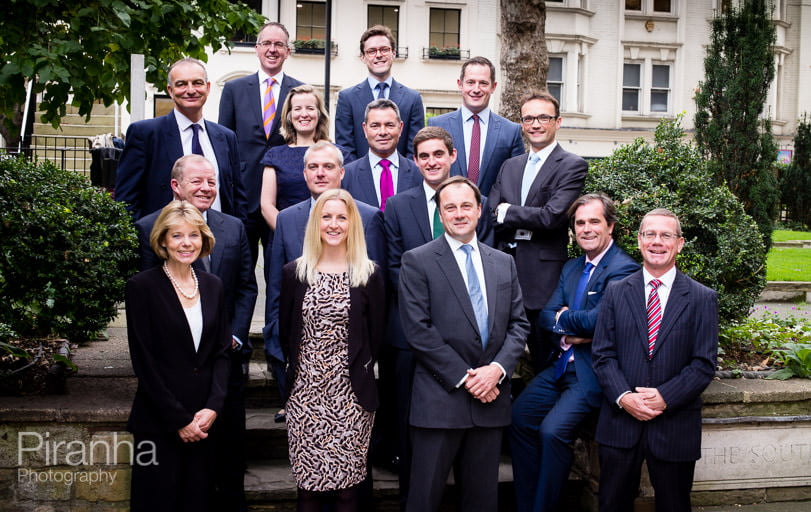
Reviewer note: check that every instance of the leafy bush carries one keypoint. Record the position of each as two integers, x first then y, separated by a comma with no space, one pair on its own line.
795,179
723,248
66,249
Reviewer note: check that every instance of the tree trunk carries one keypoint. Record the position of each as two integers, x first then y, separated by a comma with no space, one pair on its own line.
524,58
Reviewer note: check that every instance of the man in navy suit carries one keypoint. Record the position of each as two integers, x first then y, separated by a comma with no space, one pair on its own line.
193,180
241,109
412,220
461,309
153,145
530,198
323,170
377,51
547,414
474,125
654,353
384,171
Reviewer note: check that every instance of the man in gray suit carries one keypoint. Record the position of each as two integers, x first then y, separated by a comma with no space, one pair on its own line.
483,139
462,314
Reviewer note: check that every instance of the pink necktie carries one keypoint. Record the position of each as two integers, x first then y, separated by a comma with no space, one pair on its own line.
654,315
269,107
475,142
386,183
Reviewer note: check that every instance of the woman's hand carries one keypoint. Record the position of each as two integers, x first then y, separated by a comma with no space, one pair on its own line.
205,418
192,432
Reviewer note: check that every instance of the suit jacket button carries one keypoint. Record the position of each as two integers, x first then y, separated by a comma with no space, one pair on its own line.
196,371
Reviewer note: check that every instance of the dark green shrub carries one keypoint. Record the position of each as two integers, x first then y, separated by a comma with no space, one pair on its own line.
723,248
795,179
66,249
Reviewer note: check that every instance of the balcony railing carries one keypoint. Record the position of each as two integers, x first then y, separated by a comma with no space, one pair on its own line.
313,47
433,52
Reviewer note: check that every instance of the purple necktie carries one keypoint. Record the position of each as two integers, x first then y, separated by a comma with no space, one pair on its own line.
475,143
386,183
269,107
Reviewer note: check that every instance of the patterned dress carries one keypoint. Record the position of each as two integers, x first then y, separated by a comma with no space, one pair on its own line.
327,429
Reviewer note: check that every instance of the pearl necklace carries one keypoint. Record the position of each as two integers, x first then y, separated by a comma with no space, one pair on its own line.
177,286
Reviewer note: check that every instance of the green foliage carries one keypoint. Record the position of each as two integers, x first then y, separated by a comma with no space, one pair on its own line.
783,235
66,249
722,250
739,69
83,47
795,180
796,358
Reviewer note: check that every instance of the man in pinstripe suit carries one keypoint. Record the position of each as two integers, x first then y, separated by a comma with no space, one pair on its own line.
654,354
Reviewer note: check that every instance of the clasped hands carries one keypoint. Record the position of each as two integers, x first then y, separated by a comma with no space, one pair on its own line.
197,430
482,382
645,404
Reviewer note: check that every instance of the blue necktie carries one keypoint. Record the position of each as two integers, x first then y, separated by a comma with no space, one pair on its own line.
476,298
196,148
560,364
381,90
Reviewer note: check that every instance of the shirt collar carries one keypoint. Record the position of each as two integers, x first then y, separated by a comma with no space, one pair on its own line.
456,244
545,152
429,192
667,278
374,81
393,158
596,261
484,115
264,76
184,122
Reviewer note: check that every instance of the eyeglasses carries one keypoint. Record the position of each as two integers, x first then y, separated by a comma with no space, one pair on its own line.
543,119
276,44
383,50
651,235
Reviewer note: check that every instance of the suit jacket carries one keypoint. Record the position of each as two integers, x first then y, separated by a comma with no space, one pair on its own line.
367,318
288,244
145,168
682,366
503,141
558,183
174,381
359,181
230,261
241,111
408,227
349,114
581,321
440,326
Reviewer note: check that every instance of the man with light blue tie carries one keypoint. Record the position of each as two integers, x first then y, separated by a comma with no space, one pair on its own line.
483,139
548,413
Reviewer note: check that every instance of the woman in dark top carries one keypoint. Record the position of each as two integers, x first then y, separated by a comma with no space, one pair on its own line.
331,322
178,333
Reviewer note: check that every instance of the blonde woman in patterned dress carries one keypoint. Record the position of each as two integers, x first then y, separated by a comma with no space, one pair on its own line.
331,322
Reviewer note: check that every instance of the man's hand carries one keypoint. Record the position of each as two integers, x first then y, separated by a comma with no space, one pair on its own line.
482,381
205,418
635,405
652,398
192,432
576,340
489,397
560,312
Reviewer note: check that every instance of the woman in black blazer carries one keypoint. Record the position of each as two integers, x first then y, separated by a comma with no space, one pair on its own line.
178,335
331,322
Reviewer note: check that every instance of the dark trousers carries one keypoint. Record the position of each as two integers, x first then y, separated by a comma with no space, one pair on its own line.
473,453
620,471
539,342
228,434
545,419
257,230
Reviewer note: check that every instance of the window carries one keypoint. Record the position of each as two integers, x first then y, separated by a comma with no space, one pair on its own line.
388,15
660,87
631,84
444,28
649,6
244,38
554,79
311,21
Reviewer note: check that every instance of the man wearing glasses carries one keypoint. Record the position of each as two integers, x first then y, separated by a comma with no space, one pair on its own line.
530,198
251,106
377,51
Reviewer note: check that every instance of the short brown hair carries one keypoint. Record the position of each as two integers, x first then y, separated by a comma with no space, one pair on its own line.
378,30
458,180
479,61
433,132
174,214
662,212
543,96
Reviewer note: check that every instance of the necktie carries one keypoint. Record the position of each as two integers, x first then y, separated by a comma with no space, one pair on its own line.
475,142
654,315
439,229
268,107
530,171
196,148
475,291
386,183
582,283
381,90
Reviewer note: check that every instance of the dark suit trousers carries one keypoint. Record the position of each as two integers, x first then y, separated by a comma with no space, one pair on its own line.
181,479
620,470
258,231
539,342
545,419
228,434
474,455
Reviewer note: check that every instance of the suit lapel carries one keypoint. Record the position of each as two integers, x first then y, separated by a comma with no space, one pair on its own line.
284,88
493,129
491,281
446,262
635,306
300,225
519,175
419,210
215,224
545,173
676,303
172,146
458,136
252,87
396,92
366,180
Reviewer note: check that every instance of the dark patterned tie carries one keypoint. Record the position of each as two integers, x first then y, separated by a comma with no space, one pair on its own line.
475,150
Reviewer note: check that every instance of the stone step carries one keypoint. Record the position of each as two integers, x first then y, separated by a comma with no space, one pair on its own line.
264,438
797,244
76,130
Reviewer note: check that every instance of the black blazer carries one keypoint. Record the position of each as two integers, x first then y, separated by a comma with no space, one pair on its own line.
174,381
367,322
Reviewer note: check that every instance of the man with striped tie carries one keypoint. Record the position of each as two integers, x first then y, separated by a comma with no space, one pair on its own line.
249,106
654,353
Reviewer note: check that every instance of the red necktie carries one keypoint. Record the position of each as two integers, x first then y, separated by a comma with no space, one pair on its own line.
475,142
654,316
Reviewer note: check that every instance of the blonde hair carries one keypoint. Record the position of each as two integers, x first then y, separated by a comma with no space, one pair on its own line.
286,127
360,266
174,214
